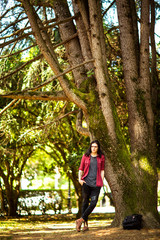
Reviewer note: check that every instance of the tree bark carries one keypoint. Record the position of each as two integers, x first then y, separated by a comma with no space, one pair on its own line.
154,74
12,197
11,178
67,29
141,120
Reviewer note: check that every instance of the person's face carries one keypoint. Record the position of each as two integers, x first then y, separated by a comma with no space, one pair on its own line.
94,148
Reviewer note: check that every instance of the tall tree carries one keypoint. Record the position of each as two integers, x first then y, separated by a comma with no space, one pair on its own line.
14,154
130,171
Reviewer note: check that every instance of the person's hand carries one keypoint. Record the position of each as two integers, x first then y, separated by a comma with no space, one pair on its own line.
81,182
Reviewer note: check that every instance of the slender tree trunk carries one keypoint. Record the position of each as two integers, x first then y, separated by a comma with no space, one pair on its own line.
154,74
12,199
2,199
12,182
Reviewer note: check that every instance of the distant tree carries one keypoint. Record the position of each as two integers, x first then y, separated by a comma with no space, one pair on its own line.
13,157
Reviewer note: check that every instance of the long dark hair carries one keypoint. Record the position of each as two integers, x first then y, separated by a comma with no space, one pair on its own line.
88,152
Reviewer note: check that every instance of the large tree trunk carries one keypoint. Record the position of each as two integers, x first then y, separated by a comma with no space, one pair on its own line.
141,120
131,174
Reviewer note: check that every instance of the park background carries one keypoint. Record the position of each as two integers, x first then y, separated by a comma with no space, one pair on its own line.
79,86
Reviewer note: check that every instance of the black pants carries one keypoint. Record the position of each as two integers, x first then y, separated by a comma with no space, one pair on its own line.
90,199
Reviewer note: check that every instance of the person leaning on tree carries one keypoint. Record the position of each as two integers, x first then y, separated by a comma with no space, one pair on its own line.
91,175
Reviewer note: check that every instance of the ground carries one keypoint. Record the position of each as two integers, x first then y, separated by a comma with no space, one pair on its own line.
52,229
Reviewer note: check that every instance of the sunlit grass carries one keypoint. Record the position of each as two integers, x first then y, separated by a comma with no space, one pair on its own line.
54,228
18,224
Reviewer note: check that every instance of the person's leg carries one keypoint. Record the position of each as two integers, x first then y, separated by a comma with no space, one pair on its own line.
94,199
86,191
85,228
86,199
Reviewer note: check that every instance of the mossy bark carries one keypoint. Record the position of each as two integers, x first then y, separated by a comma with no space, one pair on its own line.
133,181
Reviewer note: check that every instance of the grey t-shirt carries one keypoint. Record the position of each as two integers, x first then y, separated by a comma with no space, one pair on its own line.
91,178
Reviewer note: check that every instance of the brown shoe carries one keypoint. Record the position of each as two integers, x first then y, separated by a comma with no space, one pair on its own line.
85,228
78,224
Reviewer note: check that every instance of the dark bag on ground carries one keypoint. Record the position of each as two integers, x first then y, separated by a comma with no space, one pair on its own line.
132,222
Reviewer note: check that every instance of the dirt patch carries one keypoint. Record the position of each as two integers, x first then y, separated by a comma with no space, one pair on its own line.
66,231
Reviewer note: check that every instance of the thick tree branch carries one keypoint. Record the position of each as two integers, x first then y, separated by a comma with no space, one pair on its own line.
154,72
98,52
85,17
24,162
83,37
153,44
80,129
31,96
145,81
46,96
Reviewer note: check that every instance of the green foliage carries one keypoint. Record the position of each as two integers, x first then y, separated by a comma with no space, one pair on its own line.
90,73
13,153
55,142
63,145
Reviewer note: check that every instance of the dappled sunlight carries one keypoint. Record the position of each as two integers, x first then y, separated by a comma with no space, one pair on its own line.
146,166
99,229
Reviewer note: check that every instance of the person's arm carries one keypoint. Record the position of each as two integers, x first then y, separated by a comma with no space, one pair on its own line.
80,173
102,174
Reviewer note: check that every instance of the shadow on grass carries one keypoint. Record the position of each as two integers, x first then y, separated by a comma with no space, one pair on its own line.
92,234
48,228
